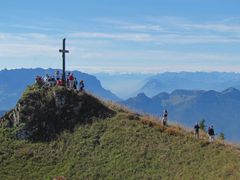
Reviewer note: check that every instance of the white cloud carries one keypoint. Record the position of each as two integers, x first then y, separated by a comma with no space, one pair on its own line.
174,25
143,27
230,25
108,50
231,28
113,36
27,45
166,30
29,50
158,38
153,56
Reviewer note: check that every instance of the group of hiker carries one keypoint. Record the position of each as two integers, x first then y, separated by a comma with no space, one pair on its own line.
210,131
56,80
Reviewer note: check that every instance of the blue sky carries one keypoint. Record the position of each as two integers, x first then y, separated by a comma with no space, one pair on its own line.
147,36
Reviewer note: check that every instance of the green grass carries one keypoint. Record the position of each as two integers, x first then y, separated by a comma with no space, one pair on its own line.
118,148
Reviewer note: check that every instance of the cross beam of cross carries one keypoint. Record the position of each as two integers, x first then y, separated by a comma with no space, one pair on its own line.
63,51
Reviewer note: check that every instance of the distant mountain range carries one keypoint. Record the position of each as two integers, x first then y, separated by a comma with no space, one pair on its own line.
14,82
189,106
168,82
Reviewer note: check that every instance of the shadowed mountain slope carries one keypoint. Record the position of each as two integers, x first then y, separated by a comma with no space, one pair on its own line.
43,112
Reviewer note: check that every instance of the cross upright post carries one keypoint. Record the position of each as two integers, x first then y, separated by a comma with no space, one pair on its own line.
63,51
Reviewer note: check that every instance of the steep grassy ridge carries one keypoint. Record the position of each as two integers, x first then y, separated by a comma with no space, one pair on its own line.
121,145
117,148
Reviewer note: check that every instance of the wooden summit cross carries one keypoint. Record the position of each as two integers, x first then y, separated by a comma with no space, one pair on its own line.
63,51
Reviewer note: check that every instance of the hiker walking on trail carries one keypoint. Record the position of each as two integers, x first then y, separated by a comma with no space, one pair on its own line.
165,115
196,130
81,86
211,134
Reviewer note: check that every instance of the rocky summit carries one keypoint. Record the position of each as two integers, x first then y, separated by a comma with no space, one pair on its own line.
43,112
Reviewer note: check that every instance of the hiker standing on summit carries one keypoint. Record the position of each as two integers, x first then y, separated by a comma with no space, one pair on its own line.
71,81
81,86
75,84
57,75
68,82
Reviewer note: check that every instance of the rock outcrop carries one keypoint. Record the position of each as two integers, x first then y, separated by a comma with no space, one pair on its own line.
43,112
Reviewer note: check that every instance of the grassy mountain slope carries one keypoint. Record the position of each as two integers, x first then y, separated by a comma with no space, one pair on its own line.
118,148
123,146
